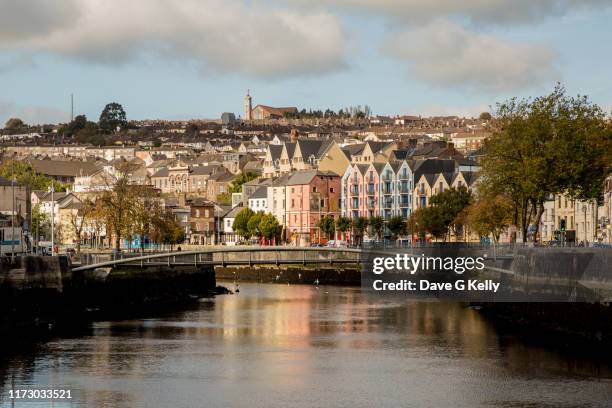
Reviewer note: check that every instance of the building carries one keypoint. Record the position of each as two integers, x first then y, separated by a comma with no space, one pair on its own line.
261,112
248,107
203,229
15,200
311,195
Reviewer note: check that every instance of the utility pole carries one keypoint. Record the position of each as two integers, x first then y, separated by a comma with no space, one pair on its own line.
71,107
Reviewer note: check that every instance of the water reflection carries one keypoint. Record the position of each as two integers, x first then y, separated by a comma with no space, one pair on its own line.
276,345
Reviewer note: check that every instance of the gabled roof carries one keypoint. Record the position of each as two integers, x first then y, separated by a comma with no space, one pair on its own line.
163,172
234,211
64,168
275,151
305,176
377,147
433,166
261,192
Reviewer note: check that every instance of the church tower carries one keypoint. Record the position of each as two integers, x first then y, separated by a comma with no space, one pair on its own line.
248,107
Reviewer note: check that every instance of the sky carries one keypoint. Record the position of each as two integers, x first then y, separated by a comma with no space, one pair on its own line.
194,59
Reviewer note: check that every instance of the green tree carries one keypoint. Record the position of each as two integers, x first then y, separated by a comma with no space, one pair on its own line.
13,124
397,226
112,116
428,220
253,224
451,202
327,226
359,226
377,224
343,224
269,226
25,174
236,184
241,222
553,144
224,198
485,116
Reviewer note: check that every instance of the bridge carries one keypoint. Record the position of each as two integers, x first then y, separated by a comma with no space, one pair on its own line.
251,256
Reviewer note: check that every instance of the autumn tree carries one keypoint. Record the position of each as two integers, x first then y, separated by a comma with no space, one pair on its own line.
490,216
79,218
118,204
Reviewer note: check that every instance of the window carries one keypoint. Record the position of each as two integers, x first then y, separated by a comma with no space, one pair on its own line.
197,213
206,214
292,203
314,189
331,189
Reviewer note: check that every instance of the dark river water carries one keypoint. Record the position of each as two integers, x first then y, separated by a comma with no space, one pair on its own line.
301,346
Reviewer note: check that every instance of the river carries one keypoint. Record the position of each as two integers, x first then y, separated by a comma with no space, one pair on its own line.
302,346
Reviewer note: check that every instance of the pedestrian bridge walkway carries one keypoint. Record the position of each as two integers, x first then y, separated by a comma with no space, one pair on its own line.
250,256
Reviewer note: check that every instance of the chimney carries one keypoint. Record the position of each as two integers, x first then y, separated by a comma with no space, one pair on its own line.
293,136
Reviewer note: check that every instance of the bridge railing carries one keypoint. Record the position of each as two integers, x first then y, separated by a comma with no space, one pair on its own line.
241,256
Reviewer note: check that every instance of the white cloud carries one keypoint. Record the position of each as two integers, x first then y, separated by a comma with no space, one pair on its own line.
479,11
443,53
228,36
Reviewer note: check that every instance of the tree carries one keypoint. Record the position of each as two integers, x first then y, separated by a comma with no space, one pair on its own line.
553,144
40,223
144,211
224,198
13,124
25,174
269,226
490,215
118,204
485,116
192,129
112,116
241,222
359,226
451,202
166,230
89,134
428,220
327,226
236,184
79,217
397,226
377,224
343,224
253,224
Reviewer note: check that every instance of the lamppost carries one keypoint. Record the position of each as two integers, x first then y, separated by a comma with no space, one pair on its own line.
52,190
13,218
584,211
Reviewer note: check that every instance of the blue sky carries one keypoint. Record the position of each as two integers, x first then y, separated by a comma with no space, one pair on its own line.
187,59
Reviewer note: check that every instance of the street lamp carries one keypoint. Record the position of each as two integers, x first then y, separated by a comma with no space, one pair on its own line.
51,189
584,211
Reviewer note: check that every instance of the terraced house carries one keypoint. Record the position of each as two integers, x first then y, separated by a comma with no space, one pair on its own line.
377,189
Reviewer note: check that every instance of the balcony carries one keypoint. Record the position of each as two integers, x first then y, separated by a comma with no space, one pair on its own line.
355,190
404,189
387,203
387,190
404,203
403,176
387,177
371,190
371,204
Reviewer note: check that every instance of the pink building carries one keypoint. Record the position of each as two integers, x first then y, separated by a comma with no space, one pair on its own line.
362,193
311,195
